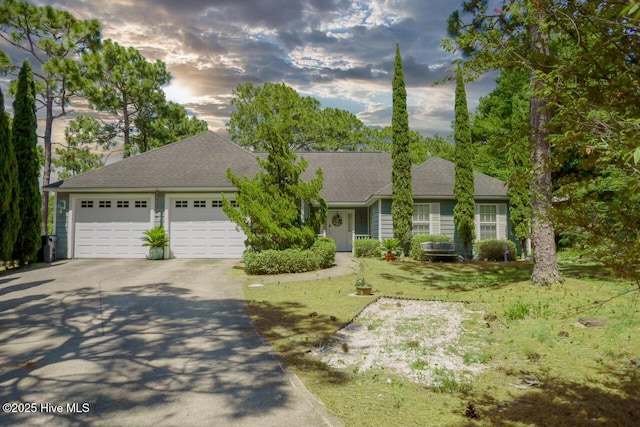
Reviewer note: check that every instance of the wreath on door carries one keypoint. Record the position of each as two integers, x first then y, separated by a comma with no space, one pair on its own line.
336,221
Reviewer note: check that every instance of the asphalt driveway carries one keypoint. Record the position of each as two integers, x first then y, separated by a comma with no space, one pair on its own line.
140,343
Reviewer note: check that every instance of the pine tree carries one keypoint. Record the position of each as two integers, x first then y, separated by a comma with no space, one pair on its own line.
463,189
25,143
269,205
9,189
402,202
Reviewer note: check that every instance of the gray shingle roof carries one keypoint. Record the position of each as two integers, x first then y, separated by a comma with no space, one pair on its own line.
197,162
435,178
349,176
200,163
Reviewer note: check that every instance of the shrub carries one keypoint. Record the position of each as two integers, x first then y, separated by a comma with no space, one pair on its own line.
493,249
390,246
415,250
367,248
274,261
325,249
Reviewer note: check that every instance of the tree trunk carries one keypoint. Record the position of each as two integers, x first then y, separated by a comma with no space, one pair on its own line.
126,152
46,169
545,269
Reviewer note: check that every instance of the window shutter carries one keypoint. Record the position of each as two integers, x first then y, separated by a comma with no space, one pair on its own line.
434,218
501,218
477,221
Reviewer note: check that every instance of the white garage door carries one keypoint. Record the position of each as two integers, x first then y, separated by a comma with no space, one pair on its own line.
199,229
111,227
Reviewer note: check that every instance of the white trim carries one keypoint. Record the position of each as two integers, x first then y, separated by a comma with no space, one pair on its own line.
422,223
129,190
71,229
55,212
500,221
166,224
380,219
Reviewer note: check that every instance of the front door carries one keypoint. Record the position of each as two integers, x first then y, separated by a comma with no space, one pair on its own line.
340,223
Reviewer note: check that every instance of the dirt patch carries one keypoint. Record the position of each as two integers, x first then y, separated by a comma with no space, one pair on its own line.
419,339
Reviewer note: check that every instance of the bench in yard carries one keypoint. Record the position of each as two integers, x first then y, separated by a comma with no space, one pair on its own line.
439,249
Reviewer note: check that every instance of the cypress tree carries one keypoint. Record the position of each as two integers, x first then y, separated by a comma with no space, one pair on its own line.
9,189
25,141
463,189
402,203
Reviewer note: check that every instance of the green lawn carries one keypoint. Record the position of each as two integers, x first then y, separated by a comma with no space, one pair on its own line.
541,365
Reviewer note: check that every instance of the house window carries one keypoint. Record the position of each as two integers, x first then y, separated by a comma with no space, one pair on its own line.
86,204
218,203
104,204
488,222
182,204
141,204
199,204
420,218
122,204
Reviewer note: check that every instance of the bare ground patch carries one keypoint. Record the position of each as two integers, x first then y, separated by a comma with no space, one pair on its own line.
422,340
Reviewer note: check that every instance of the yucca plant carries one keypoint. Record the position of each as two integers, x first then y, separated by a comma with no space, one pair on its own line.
391,245
390,248
155,237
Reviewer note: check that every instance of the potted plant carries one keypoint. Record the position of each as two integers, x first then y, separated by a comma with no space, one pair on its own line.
156,240
362,287
390,247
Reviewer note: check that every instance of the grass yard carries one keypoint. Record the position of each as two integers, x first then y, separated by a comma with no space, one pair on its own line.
562,356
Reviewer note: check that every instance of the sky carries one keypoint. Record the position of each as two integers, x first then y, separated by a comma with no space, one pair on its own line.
340,52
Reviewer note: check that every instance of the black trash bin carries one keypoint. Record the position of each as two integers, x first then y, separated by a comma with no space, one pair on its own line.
48,251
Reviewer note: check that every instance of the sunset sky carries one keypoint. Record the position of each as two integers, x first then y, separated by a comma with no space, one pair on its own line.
338,51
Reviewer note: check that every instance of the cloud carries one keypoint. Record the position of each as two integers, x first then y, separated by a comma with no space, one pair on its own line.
339,51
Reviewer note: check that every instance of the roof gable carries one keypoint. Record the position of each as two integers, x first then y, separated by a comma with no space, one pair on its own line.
200,161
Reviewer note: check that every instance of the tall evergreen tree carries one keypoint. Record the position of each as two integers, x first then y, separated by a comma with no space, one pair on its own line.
402,202
9,189
463,189
25,141
269,209
54,39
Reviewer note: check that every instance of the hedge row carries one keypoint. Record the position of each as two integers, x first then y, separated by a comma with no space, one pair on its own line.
493,250
367,248
322,254
415,249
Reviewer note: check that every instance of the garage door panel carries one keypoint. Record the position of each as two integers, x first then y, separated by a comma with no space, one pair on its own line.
99,240
111,227
204,233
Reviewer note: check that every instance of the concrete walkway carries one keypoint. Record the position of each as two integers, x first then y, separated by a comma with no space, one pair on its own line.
141,343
